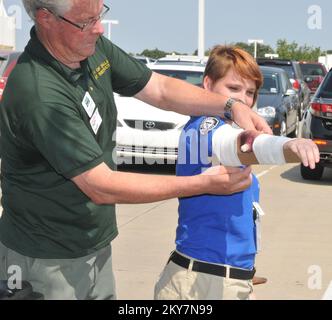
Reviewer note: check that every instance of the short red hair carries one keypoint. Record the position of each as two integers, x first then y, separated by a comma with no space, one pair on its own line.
222,58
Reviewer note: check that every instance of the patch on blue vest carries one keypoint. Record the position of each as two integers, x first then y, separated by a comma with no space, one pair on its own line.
208,124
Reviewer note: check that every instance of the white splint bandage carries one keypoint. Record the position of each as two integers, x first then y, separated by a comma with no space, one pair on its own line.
224,145
269,149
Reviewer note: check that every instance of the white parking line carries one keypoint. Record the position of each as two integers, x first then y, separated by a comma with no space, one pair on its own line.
265,172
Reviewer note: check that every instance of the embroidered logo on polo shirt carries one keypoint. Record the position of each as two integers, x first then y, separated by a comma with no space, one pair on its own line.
101,69
208,124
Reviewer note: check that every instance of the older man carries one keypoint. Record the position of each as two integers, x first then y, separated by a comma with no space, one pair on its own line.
59,178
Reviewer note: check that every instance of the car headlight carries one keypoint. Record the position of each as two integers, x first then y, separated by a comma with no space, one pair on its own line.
267,112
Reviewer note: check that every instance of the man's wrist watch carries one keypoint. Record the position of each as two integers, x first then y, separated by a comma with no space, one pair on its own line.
228,108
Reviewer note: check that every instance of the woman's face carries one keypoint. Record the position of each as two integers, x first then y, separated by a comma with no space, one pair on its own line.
233,85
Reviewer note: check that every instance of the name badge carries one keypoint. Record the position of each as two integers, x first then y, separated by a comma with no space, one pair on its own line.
258,215
88,104
96,121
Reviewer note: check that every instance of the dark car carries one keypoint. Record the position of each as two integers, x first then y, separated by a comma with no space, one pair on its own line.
278,102
313,73
296,77
8,60
317,125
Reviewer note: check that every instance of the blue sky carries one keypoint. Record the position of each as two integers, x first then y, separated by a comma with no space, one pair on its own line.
172,24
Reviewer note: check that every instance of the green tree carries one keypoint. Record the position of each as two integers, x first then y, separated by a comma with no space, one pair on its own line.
293,51
206,53
262,49
155,53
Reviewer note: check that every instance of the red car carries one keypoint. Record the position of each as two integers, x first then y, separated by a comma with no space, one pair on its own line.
313,73
8,61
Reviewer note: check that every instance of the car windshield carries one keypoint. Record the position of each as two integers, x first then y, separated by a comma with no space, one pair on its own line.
193,77
311,69
289,70
270,84
326,88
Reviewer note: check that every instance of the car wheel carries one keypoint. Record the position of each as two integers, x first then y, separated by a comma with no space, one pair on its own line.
295,133
312,174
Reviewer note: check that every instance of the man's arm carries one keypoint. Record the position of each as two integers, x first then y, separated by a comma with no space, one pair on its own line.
105,186
176,95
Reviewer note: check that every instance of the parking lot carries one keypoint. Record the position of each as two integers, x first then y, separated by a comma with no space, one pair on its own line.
296,238
296,231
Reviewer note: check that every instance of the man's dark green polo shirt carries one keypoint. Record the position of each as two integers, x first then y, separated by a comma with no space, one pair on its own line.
47,138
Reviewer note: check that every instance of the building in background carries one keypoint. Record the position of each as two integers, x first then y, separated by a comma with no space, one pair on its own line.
326,60
7,29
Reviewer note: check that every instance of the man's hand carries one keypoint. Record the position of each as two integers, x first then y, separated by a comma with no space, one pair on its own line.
228,180
248,119
305,149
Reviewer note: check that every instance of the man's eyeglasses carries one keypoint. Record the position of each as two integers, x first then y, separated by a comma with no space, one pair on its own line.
83,26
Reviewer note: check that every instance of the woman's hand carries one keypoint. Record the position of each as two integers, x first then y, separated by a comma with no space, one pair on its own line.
305,149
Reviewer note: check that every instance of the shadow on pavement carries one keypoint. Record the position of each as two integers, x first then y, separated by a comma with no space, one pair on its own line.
294,175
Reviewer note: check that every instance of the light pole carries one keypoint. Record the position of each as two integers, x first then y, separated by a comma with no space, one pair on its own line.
109,23
255,41
201,16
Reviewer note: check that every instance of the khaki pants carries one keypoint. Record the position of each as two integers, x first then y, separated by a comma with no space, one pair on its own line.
89,277
177,283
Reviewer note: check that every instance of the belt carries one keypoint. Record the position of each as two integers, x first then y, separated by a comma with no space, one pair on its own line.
210,268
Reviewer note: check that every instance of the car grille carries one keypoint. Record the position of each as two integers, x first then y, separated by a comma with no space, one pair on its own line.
149,125
147,150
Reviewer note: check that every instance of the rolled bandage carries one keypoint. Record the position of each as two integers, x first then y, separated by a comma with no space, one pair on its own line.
224,145
268,149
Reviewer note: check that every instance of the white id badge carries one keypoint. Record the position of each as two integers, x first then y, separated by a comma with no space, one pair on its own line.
96,121
259,214
88,104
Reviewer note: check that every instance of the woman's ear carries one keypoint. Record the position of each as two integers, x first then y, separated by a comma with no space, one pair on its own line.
207,83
